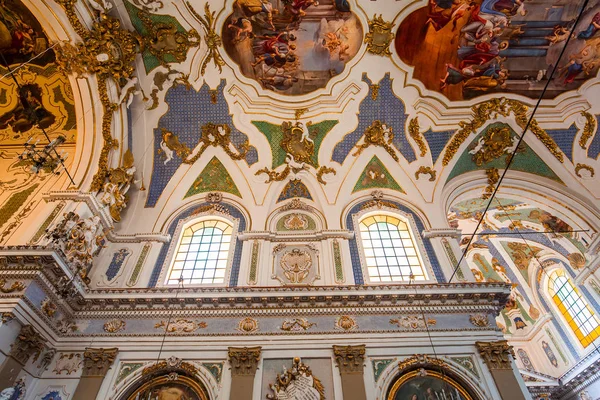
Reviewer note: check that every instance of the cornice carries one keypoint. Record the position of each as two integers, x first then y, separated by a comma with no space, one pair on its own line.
297,236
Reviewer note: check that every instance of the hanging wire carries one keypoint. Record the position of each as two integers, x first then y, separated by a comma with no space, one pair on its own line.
525,129
180,286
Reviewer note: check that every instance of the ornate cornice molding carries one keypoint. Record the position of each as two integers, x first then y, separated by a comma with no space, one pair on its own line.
243,360
96,362
350,359
496,355
441,232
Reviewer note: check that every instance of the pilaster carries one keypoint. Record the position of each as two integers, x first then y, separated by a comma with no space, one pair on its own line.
244,362
498,356
28,343
351,361
96,363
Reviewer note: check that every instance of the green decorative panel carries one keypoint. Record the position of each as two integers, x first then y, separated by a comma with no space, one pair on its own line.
295,222
138,266
526,160
213,178
254,263
216,369
376,175
337,261
40,232
126,370
12,205
379,366
275,135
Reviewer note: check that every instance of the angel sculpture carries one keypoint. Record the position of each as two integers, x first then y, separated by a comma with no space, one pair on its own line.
114,193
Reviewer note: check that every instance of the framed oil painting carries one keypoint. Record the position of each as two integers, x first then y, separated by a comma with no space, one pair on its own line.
432,386
163,388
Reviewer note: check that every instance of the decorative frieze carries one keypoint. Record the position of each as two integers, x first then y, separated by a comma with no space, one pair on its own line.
243,360
496,355
350,359
96,362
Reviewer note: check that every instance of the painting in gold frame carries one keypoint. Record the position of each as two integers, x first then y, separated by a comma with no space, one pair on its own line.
432,386
165,388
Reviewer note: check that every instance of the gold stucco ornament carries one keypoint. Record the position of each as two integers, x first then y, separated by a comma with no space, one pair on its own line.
297,383
379,37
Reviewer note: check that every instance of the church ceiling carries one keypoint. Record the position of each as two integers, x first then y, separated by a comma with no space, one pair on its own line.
268,101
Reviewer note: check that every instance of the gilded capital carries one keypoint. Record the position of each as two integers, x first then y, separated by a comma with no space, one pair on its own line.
28,343
96,362
496,354
244,360
350,359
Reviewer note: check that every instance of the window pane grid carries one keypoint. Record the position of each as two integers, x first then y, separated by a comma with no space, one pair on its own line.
575,310
202,254
389,250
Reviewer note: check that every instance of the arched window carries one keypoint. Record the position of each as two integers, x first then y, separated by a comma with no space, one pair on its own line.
574,308
202,253
389,250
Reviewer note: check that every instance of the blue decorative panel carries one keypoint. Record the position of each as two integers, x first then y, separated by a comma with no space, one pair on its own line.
564,138
237,255
437,141
188,112
355,257
116,263
294,188
53,395
385,107
594,145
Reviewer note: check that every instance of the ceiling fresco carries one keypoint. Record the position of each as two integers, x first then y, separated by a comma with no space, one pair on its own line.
468,49
292,47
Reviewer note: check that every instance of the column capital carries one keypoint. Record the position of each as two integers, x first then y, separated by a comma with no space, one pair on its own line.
96,362
28,343
496,354
244,360
350,359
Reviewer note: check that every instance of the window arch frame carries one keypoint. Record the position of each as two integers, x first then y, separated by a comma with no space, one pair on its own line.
176,241
561,317
419,246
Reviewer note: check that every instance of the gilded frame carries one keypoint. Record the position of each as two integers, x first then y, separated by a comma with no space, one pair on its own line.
409,375
185,380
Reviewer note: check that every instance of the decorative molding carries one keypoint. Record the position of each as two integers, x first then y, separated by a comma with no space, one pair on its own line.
350,359
345,323
114,325
253,273
421,360
97,361
586,167
67,362
496,355
426,170
296,325
413,322
248,325
479,320
413,131
16,286
243,360
28,343
441,232
379,37
588,129
337,262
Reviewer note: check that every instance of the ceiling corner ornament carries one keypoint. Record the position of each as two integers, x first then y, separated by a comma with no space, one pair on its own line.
492,179
422,360
377,134
426,170
486,111
211,38
585,167
379,37
114,326
15,287
248,325
588,129
296,325
496,355
479,320
297,383
413,131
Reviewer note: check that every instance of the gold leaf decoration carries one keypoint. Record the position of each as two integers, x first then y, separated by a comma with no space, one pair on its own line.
413,131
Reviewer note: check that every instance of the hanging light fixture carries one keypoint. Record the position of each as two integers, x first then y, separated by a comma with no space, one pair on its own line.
46,158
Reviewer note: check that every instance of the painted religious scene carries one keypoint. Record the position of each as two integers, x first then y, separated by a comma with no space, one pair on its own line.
426,385
292,47
465,49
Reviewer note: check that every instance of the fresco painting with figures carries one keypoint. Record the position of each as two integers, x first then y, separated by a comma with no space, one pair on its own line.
292,46
465,49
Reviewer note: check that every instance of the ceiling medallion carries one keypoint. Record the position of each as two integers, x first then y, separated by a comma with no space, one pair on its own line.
379,37
248,325
297,383
378,134
345,323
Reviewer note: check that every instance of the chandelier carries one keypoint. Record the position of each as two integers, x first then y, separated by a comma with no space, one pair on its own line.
46,158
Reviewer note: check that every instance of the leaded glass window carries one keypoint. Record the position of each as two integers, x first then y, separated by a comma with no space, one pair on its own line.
574,308
202,253
389,250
